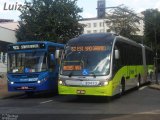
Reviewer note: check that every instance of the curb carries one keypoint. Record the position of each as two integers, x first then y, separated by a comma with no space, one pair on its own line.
155,86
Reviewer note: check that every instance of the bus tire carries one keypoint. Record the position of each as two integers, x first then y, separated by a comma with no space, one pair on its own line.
139,81
122,87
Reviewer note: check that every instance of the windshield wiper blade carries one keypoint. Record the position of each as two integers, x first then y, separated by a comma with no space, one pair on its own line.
70,74
94,75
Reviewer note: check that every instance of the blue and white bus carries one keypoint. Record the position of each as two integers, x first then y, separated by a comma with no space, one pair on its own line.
33,66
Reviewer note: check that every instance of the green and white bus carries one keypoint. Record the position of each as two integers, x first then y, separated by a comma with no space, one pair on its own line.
103,64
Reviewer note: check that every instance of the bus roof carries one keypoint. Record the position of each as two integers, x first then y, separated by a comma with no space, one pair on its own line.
146,47
110,37
37,42
93,37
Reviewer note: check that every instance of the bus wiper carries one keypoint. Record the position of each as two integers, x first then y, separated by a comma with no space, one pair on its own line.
84,60
70,74
94,75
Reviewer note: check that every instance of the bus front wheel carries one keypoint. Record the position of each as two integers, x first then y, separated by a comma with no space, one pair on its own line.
139,81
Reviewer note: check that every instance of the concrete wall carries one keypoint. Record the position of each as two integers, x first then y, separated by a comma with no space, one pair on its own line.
7,35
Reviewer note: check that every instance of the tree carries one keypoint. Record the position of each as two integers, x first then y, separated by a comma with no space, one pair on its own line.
152,31
52,20
123,21
152,27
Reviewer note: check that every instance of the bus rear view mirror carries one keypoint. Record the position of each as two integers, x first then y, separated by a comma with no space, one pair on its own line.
57,54
116,54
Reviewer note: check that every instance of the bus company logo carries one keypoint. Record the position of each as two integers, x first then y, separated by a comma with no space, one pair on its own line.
29,79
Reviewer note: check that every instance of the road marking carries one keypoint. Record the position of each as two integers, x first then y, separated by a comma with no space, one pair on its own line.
46,102
142,88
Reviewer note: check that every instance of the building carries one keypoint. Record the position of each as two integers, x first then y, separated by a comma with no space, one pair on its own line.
98,25
94,25
7,36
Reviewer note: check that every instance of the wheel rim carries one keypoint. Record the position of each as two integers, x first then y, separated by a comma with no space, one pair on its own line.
138,84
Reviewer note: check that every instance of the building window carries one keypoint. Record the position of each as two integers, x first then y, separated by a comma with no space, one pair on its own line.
88,31
3,57
108,30
88,25
102,30
94,31
101,24
94,24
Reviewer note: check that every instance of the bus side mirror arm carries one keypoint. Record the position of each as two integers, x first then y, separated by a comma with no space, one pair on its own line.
116,54
57,54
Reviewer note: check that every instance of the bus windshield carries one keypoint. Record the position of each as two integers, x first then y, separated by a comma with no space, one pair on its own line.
27,62
86,60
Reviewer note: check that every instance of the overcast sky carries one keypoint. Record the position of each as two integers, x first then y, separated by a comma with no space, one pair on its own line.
89,6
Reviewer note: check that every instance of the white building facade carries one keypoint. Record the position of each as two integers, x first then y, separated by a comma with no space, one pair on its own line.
98,25
7,36
94,25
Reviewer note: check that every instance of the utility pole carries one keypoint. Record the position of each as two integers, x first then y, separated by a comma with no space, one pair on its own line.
156,56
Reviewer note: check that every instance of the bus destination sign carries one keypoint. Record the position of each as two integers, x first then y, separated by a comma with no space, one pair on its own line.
26,47
88,48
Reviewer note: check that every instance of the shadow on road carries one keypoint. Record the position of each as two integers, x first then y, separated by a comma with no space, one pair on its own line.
33,96
73,98
94,99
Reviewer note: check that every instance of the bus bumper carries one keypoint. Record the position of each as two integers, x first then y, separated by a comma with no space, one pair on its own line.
34,87
93,91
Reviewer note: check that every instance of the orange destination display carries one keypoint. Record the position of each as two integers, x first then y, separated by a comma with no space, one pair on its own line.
88,48
72,67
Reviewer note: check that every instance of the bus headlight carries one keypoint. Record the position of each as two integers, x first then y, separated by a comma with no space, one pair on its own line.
38,81
12,83
104,83
61,82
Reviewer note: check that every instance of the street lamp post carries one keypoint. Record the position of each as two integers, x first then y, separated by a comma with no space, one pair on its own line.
155,37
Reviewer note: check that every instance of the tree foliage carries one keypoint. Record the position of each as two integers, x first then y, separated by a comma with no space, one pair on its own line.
152,27
123,21
52,20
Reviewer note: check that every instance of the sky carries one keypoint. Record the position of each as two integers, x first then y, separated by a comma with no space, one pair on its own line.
89,7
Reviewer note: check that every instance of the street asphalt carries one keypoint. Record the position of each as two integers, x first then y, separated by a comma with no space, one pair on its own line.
141,104
134,104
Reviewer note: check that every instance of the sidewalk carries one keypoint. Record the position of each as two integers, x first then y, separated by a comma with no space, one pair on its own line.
4,89
154,85
4,92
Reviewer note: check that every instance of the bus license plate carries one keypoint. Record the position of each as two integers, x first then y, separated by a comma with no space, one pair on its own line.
24,88
90,83
81,91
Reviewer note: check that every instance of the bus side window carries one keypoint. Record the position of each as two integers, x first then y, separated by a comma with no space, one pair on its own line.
52,62
51,58
60,55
